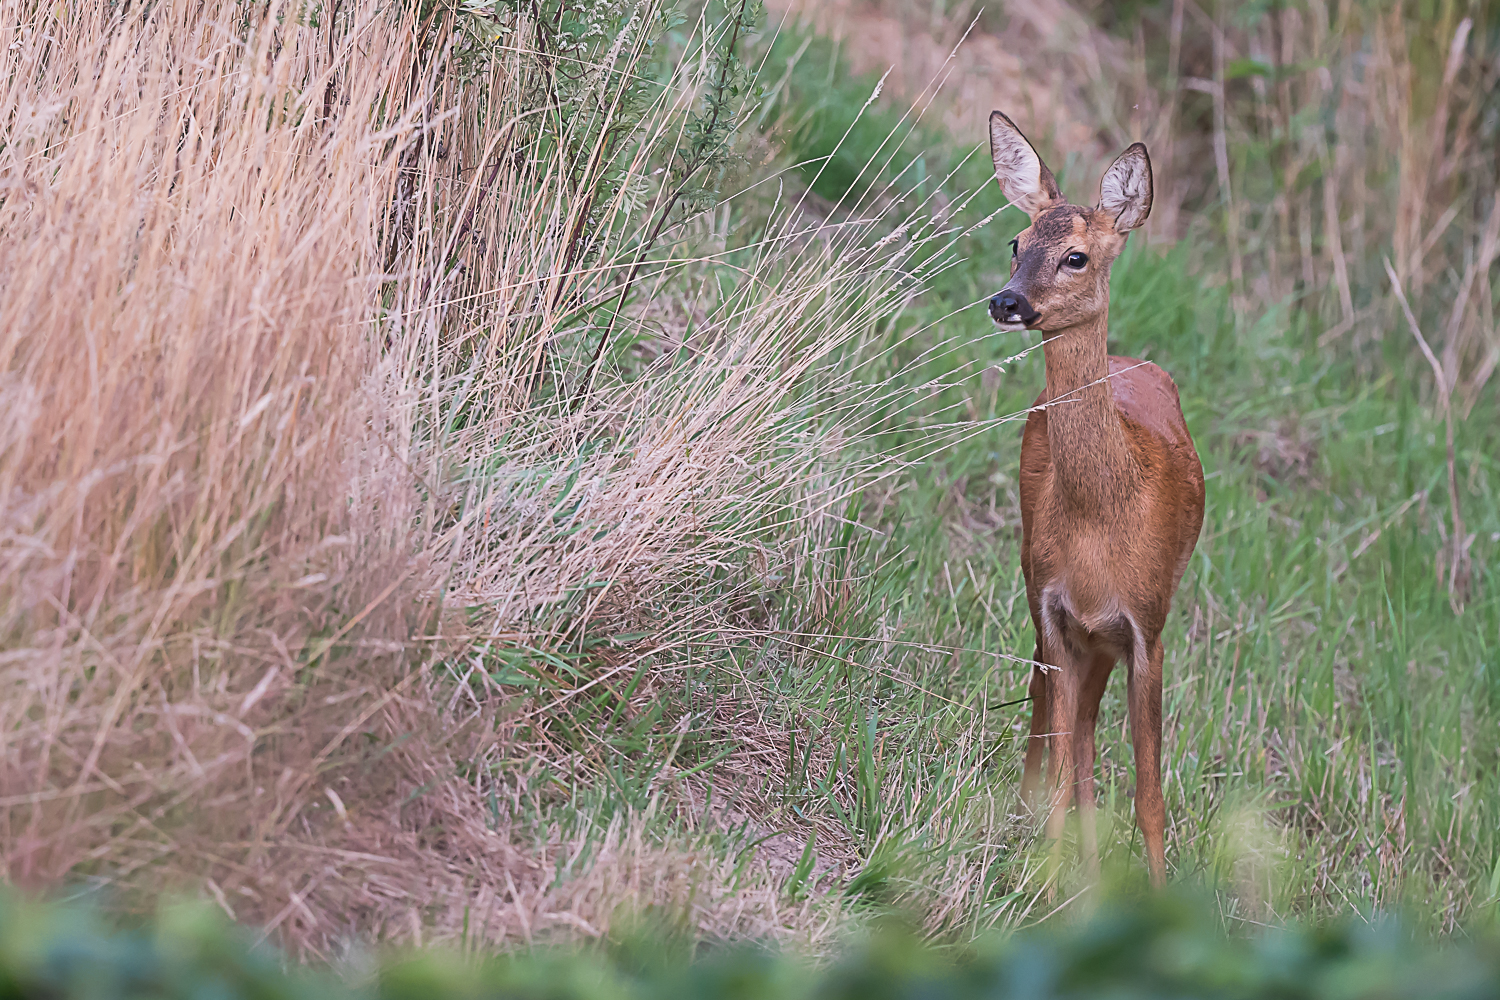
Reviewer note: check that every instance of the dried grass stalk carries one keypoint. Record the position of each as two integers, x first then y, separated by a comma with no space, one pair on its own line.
270,447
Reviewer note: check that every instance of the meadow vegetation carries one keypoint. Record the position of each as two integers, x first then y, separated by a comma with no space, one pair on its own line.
481,472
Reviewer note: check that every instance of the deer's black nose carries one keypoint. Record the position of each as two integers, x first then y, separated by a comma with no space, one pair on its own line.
1012,307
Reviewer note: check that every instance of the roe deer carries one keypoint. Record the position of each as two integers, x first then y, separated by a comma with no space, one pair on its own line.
1111,488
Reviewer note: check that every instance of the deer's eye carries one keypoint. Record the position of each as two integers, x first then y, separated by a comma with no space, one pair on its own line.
1076,259
1014,248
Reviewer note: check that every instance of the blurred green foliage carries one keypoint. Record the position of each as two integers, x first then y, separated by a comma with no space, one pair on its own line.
1167,946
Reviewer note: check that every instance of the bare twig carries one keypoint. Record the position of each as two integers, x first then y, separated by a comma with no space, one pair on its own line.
1221,166
716,105
1458,569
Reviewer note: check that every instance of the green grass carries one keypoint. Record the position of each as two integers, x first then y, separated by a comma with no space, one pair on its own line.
1318,681
1331,726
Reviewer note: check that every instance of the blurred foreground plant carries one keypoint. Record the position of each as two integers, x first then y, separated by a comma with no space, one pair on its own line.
1163,946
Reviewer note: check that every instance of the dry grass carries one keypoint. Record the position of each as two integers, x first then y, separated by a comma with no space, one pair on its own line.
187,353
282,301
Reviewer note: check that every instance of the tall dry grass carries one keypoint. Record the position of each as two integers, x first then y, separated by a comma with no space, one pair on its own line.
190,472
297,406
1358,131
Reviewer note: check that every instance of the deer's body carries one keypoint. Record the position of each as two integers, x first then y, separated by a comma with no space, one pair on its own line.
1111,488
1131,505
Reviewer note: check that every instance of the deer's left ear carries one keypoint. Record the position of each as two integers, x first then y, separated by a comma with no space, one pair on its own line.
1125,191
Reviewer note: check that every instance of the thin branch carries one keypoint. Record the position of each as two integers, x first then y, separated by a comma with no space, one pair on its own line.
1458,571
716,105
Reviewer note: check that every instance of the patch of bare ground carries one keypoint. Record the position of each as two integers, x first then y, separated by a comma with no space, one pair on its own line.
1287,453
406,852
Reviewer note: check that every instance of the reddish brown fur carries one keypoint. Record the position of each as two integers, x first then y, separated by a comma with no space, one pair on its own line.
1111,507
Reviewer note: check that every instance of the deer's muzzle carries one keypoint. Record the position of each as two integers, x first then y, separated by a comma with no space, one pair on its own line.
1011,307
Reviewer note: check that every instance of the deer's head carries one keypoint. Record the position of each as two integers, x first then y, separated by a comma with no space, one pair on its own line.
1059,267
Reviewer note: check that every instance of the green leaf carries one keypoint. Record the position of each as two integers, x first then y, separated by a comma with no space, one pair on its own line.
1238,69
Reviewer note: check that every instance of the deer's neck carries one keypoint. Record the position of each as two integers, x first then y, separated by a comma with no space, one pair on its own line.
1093,466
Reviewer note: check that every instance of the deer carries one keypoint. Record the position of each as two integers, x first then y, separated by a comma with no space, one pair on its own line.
1111,491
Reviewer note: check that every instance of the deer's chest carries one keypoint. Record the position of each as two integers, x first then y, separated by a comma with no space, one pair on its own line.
1082,563
1099,569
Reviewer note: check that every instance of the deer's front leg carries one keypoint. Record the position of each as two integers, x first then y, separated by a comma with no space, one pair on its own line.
1091,692
1145,734
1031,774
1062,705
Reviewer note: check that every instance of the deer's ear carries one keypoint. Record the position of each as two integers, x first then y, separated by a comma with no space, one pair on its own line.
1125,190
1023,176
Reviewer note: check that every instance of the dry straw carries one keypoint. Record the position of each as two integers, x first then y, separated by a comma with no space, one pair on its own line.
282,303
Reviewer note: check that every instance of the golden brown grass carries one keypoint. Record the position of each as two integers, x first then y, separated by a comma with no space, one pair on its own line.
187,351
277,300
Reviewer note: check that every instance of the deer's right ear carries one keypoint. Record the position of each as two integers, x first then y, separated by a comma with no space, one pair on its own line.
1023,176
1125,190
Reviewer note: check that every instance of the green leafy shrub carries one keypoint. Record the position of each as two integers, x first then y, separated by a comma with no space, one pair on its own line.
1170,946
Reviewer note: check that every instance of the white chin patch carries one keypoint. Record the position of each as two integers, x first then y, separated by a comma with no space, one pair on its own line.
1009,327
